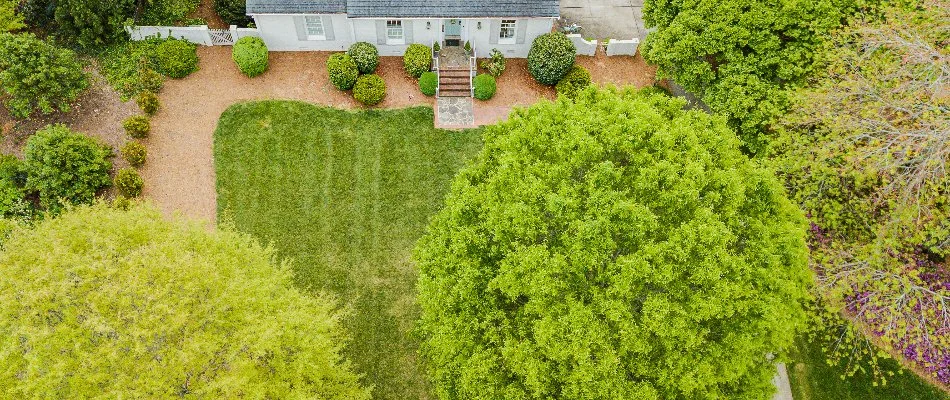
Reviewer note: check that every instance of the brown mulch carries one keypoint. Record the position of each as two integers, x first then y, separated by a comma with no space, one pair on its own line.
98,113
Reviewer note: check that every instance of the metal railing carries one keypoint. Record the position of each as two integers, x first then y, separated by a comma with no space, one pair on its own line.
435,66
472,69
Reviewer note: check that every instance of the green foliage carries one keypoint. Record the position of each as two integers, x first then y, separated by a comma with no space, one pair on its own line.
136,306
10,19
13,204
137,126
37,76
65,167
417,59
576,80
129,68
128,182
134,153
467,47
176,58
342,71
428,83
93,23
147,101
436,47
365,55
613,247
495,64
551,57
738,56
484,86
369,90
234,12
167,12
250,55
370,181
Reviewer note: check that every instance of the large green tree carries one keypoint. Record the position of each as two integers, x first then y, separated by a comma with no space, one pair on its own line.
106,303
740,55
92,23
10,19
613,247
36,76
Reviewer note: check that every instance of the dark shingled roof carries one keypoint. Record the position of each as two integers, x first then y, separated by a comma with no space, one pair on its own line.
409,8
296,6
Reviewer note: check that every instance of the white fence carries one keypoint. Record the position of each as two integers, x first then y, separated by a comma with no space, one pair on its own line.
199,34
622,47
584,47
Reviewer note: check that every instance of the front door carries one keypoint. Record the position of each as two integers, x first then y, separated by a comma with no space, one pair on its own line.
453,32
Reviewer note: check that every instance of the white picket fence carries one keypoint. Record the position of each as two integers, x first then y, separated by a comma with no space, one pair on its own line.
199,34
613,47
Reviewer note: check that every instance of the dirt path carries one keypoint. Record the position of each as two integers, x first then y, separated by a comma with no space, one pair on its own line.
179,174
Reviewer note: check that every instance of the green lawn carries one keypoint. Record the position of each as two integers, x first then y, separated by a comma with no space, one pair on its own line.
813,379
344,195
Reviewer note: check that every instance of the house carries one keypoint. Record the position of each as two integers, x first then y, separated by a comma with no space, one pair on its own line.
392,25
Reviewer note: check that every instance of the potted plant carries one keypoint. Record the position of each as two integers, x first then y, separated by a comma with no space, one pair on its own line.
468,48
435,49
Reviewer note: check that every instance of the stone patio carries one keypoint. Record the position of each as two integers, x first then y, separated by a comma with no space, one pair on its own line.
606,19
454,112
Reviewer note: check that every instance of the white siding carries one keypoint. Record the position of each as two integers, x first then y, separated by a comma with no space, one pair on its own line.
280,33
366,29
481,38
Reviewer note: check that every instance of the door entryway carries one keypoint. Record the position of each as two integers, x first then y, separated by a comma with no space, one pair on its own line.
453,32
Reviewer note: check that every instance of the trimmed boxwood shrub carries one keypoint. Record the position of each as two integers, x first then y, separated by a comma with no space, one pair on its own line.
575,80
428,83
128,182
176,58
370,89
134,153
147,101
484,86
342,70
365,56
137,126
551,57
417,60
65,167
250,55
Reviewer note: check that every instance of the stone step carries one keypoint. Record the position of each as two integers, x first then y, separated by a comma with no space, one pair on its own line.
443,80
454,93
454,72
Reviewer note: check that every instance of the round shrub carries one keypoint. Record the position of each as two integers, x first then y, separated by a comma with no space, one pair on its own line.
484,86
370,89
551,57
575,81
134,153
428,83
342,70
250,55
128,182
147,101
365,55
65,167
137,126
417,60
176,58
123,303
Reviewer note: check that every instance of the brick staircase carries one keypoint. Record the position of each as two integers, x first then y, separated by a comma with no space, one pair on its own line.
455,82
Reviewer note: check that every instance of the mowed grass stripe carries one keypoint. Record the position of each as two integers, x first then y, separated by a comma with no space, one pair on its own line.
345,196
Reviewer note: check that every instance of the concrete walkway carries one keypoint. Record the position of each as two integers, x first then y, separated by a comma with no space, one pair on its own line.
606,19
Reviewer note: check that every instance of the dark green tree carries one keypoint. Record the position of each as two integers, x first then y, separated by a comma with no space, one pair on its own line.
38,76
611,247
65,167
92,23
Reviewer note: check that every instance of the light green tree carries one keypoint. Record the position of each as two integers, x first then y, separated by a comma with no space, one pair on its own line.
10,19
106,303
613,247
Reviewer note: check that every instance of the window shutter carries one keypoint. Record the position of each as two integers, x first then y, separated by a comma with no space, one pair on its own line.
380,31
407,30
328,27
494,31
301,27
522,26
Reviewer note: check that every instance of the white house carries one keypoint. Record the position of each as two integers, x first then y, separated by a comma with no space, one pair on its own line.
333,25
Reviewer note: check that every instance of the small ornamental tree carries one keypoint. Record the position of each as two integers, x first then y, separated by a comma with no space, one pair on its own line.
365,55
342,71
64,166
551,57
37,76
614,247
103,302
417,59
250,55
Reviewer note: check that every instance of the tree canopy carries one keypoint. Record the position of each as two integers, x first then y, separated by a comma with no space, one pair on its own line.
101,302
613,247
864,151
740,55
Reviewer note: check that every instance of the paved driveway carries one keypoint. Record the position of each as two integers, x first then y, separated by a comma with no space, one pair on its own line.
606,19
